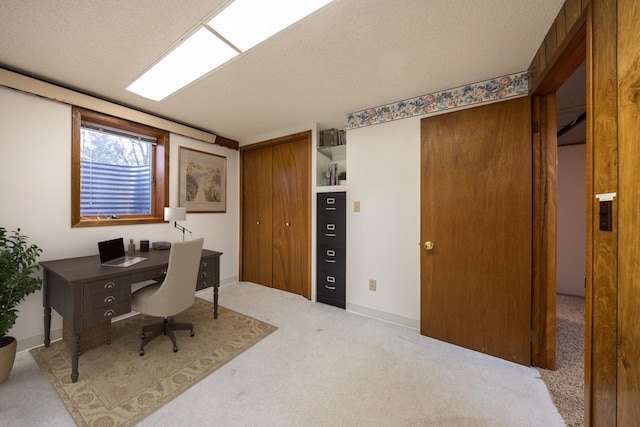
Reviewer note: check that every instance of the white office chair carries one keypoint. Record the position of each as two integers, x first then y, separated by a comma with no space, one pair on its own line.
174,295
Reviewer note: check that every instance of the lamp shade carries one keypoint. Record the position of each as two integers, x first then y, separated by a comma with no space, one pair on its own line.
175,214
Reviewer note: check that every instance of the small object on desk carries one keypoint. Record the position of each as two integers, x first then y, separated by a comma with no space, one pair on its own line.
161,246
132,247
144,246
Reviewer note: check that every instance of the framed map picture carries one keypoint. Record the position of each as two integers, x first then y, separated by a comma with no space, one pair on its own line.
202,181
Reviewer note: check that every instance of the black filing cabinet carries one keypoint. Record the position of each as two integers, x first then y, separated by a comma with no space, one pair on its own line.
331,250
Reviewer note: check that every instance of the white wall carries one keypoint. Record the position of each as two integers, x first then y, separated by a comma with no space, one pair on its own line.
571,220
35,195
383,163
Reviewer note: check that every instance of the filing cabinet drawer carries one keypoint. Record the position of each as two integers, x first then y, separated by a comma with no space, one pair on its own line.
331,233
332,205
331,259
331,289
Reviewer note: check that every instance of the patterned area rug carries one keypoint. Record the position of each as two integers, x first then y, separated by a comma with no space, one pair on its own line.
118,387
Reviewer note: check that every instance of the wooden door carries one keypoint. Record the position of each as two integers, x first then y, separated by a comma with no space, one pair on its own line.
292,216
476,209
256,262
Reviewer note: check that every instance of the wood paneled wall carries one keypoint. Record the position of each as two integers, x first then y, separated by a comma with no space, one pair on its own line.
559,43
602,177
612,45
628,54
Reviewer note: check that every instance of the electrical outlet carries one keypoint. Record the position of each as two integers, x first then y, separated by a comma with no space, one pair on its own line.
372,284
356,206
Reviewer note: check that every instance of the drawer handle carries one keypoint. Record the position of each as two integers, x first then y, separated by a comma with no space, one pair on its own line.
331,288
109,285
204,263
331,200
331,227
329,209
204,285
109,299
109,313
331,279
330,260
331,252
330,234
204,274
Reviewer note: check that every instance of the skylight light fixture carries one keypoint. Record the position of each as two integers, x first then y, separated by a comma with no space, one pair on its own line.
196,56
246,23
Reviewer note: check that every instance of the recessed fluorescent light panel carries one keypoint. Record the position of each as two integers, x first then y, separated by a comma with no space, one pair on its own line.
246,23
243,24
193,58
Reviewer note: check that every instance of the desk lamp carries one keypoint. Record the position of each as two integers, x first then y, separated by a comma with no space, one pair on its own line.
176,214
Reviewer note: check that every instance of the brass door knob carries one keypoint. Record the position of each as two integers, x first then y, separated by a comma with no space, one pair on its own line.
428,245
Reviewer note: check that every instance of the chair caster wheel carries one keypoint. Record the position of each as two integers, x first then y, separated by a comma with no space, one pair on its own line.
142,335
141,353
192,333
175,348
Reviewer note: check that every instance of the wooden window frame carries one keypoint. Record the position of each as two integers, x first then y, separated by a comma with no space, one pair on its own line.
159,188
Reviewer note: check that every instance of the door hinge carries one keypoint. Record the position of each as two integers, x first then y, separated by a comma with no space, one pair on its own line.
534,336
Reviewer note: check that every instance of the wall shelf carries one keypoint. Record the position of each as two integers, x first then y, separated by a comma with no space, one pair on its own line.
332,151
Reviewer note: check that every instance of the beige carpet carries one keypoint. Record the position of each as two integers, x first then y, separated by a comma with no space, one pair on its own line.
118,387
566,383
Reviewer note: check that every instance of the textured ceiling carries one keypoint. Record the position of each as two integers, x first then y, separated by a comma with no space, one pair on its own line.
350,55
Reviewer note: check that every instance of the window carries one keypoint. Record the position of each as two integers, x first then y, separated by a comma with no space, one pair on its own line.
119,171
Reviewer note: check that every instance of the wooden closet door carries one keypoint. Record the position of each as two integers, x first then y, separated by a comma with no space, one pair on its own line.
256,216
292,216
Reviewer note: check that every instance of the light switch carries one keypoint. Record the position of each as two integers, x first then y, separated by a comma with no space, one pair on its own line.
356,206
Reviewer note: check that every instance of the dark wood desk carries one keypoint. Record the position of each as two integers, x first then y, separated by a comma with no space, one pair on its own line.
85,293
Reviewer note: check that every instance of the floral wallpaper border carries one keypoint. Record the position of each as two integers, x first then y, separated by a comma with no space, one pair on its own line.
499,88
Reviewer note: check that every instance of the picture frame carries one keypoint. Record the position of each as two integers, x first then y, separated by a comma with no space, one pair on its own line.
202,181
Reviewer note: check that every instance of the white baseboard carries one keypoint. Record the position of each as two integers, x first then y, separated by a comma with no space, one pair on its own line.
38,340
382,315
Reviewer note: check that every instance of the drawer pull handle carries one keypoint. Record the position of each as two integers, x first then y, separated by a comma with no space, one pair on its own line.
329,209
204,285
331,288
331,279
204,263
109,299
330,260
331,252
331,227
330,234
331,200
109,313
109,285
204,274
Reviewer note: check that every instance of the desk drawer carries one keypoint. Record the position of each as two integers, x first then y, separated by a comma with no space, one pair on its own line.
103,313
115,284
108,299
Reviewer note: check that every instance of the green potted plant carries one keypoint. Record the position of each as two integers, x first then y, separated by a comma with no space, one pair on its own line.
342,177
17,280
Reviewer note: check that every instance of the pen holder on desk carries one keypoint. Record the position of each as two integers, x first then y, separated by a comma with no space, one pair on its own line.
144,246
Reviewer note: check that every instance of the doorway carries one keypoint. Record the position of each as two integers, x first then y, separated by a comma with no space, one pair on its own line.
566,382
